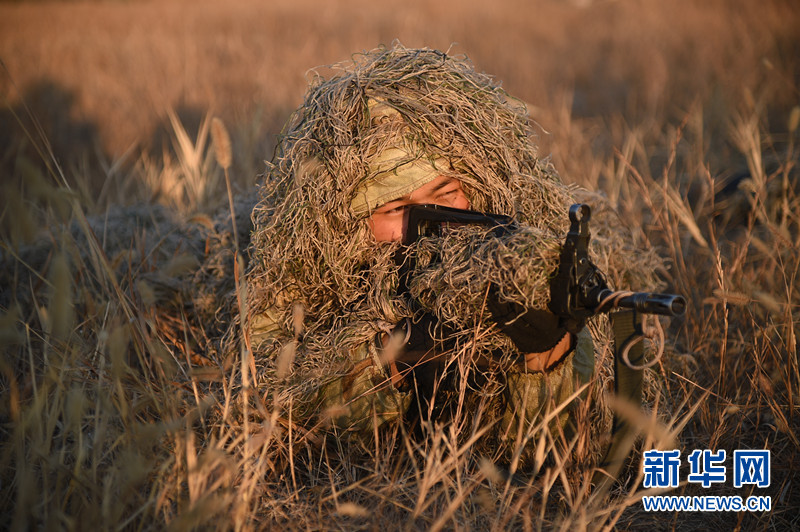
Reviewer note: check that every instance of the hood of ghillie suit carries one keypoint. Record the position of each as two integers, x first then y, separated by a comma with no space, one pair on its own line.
385,123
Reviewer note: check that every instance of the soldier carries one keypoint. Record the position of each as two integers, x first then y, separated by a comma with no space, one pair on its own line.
334,339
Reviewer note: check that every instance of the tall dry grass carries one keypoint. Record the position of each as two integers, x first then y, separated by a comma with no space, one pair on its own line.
685,117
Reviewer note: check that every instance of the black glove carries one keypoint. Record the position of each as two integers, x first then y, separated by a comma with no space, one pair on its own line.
422,339
532,331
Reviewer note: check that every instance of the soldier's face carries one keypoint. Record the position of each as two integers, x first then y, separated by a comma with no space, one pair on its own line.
386,221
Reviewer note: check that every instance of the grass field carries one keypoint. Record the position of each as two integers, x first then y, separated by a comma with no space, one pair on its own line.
684,114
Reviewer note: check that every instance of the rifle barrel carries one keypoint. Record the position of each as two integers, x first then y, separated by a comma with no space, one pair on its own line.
650,303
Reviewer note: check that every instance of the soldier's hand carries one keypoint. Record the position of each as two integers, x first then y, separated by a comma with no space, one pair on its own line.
531,330
417,340
548,359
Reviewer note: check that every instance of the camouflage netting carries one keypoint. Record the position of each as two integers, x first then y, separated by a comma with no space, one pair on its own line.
456,270
308,246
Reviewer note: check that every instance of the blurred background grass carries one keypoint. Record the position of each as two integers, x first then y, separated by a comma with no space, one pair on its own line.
683,113
101,76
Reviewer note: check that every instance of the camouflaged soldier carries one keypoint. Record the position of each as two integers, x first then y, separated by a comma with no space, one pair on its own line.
335,341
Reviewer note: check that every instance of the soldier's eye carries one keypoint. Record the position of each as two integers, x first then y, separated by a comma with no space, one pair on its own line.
448,193
389,209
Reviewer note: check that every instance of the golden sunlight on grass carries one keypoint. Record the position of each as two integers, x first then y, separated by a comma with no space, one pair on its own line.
683,114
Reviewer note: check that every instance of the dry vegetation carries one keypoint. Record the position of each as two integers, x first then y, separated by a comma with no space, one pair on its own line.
684,114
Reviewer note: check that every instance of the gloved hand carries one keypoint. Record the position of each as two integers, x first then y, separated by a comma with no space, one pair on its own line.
421,339
531,330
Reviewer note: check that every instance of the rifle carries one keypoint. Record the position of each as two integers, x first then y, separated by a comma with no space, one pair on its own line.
578,291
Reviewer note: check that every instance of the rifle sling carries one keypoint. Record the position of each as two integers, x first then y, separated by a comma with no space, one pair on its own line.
626,325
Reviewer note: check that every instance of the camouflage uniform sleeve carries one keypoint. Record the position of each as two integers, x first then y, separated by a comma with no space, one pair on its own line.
364,398
356,402
531,396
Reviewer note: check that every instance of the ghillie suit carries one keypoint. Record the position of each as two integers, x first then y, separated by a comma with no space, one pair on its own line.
321,290
385,124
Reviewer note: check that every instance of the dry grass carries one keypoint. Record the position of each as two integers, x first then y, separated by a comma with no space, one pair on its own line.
683,115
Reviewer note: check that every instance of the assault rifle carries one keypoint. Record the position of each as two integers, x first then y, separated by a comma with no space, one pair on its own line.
578,290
